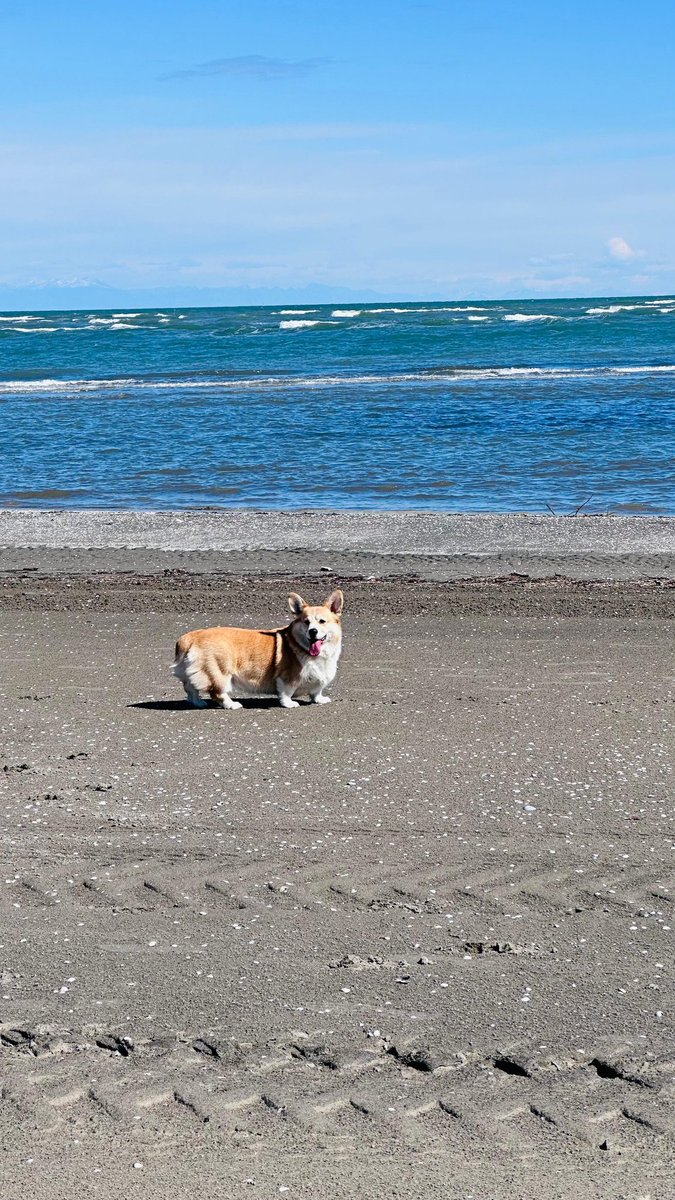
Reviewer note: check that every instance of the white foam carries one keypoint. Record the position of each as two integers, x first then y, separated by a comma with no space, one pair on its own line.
294,312
529,317
110,323
613,308
63,385
569,372
22,318
33,329
346,312
118,315
448,377
478,318
297,324
666,370
455,308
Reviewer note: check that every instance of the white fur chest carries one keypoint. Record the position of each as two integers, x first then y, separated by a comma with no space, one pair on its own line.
318,672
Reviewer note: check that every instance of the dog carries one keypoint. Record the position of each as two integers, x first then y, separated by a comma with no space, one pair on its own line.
299,659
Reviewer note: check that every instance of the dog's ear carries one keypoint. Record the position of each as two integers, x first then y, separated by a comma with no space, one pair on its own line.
335,602
296,604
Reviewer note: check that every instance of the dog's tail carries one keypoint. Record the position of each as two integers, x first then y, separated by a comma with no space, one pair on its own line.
186,663
180,654
199,673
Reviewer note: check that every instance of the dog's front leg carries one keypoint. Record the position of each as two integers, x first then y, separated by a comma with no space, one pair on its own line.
318,697
285,694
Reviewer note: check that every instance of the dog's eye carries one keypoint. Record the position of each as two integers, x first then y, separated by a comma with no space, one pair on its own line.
322,620
306,620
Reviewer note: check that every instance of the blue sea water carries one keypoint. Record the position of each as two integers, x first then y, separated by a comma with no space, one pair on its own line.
512,406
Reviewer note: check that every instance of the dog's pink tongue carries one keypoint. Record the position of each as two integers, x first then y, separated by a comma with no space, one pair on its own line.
315,649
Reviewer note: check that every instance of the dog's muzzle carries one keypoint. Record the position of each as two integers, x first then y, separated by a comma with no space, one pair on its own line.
315,646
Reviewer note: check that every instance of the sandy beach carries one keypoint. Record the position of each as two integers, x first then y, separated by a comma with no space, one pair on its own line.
417,943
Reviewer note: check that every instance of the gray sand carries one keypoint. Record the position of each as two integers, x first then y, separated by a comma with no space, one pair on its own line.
417,943
412,944
438,546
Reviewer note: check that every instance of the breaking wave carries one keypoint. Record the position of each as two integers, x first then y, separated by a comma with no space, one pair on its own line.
302,324
454,308
444,375
613,308
33,329
112,322
529,317
664,306
16,319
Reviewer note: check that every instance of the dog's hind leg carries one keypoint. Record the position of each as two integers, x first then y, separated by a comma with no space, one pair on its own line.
220,692
220,685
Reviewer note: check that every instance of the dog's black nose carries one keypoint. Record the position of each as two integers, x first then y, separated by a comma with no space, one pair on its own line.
313,634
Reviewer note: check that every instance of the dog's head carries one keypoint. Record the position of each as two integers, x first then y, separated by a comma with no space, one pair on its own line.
317,627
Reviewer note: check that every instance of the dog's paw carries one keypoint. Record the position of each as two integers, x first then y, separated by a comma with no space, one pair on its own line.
230,704
320,699
289,703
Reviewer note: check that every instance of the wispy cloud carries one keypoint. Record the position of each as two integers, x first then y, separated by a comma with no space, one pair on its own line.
364,206
619,248
252,66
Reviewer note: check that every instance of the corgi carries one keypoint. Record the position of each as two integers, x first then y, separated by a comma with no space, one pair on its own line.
299,659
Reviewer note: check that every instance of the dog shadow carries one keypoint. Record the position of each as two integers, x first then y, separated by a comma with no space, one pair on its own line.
183,706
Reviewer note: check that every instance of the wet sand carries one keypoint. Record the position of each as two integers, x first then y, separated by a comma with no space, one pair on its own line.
438,546
417,943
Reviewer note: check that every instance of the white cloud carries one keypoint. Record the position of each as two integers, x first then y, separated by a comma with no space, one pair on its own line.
619,248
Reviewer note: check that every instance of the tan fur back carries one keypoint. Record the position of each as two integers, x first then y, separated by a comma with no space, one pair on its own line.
247,653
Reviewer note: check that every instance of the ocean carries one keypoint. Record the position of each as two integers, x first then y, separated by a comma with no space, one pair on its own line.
519,406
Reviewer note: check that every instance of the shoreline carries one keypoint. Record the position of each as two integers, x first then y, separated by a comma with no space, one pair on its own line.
439,547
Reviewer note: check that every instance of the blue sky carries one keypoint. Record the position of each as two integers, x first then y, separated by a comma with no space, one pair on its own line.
463,148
